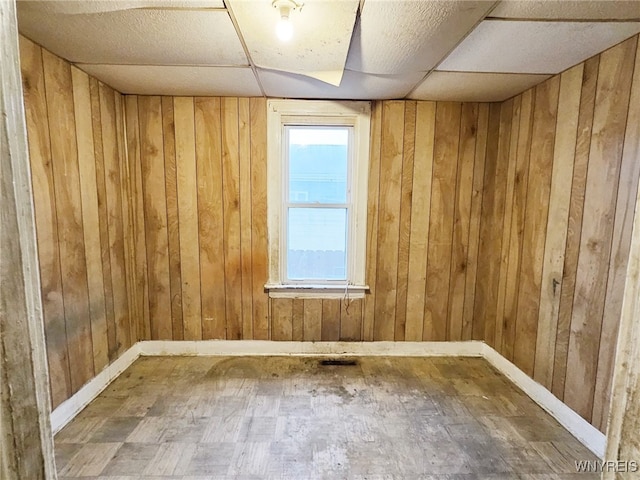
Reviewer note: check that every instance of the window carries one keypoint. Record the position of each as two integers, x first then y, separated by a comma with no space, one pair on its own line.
318,155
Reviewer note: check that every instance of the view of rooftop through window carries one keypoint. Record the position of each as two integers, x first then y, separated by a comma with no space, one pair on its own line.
318,196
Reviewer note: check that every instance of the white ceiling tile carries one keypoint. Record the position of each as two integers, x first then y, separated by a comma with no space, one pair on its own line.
97,6
355,86
320,43
137,37
534,46
177,80
474,87
568,10
394,37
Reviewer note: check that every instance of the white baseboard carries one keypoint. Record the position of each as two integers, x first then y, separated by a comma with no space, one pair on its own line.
67,410
587,434
259,347
591,437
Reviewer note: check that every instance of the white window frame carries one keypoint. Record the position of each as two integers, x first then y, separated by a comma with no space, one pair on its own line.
357,115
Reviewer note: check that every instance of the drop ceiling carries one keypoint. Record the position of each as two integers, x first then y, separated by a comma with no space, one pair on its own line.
474,50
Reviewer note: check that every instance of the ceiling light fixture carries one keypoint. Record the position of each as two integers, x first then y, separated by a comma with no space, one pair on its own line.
284,29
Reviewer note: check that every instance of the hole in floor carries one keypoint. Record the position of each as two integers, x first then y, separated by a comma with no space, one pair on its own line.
339,362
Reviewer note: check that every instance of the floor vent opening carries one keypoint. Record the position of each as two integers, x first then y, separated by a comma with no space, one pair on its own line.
339,362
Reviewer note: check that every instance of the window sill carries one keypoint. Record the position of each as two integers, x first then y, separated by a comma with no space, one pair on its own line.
315,291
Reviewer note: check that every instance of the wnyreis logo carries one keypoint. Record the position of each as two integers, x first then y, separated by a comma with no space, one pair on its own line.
599,466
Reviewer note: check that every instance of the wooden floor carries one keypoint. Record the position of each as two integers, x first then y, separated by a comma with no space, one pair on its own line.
293,418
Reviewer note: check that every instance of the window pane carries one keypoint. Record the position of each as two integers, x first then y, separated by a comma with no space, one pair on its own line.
317,244
318,161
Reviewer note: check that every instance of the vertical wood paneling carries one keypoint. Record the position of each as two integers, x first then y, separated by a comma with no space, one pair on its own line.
64,158
155,200
90,217
441,219
609,120
188,216
312,328
127,225
389,219
231,185
462,218
373,205
506,222
297,319
79,210
484,294
112,176
497,212
351,320
214,127
574,229
46,219
173,227
258,114
331,320
96,118
244,148
557,223
474,224
624,417
620,247
210,216
420,208
538,190
231,205
406,191
518,211
137,198
282,319
574,192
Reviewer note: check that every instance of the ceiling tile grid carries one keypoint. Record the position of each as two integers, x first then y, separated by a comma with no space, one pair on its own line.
354,86
177,80
475,50
320,43
406,36
139,37
568,10
474,86
505,46
74,7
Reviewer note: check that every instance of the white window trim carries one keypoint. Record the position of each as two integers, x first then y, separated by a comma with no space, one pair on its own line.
301,112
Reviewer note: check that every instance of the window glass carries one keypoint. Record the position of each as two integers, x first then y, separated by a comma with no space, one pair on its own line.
317,244
318,164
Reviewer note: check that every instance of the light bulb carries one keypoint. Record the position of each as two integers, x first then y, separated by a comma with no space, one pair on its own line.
284,29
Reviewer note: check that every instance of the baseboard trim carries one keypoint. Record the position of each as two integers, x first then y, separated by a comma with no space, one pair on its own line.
67,410
267,347
587,434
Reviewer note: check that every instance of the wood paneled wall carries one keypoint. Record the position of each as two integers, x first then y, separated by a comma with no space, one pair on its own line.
203,170
80,183
425,191
556,227
203,184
